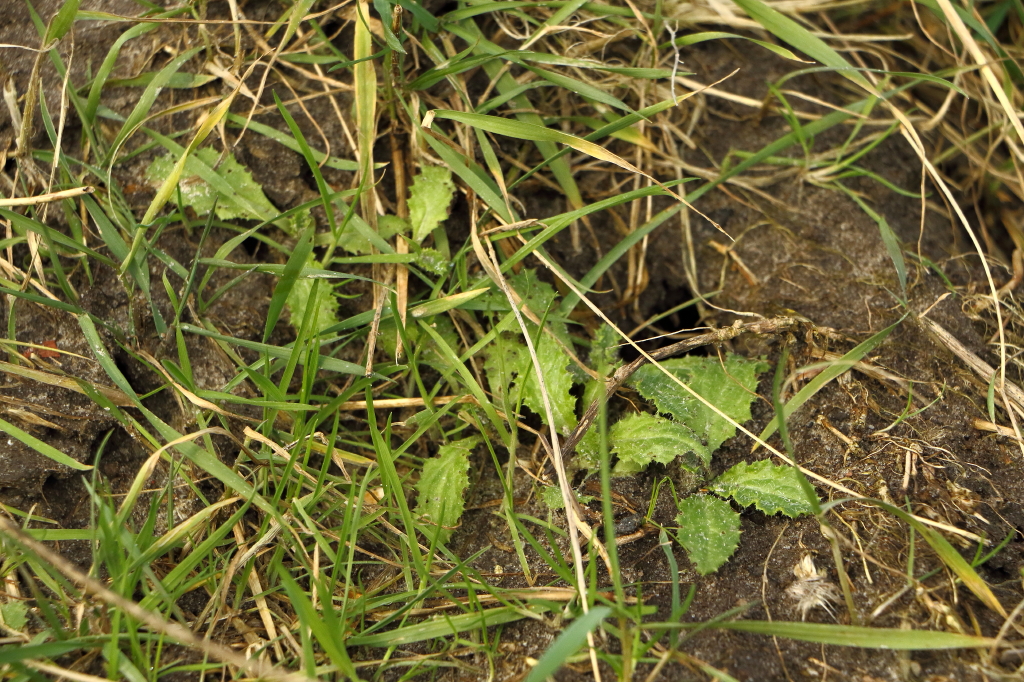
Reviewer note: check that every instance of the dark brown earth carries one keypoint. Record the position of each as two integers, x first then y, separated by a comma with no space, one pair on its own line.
808,251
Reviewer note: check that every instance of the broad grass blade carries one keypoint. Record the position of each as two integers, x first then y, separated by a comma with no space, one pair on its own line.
534,133
853,635
567,644
949,556
41,447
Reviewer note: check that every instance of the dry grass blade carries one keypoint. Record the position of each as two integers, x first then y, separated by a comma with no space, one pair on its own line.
47,198
112,394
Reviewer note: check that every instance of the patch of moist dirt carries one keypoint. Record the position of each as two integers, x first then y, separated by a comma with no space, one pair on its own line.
75,425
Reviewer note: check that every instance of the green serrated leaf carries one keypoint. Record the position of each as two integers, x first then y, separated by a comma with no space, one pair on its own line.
730,386
588,450
504,360
433,261
15,614
604,353
237,195
558,381
551,496
640,439
769,487
441,487
604,358
429,197
709,530
299,298
356,237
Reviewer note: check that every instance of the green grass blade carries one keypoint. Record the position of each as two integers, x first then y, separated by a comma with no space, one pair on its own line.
324,362
102,355
949,556
42,448
892,244
62,21
323,624
292,269
695,38
534,133
567,644
446,626
146,100
307,154
238,121
852,635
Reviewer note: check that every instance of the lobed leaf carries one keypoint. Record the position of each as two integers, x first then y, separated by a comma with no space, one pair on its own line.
640,439
429,198
769,487
709,530
729,385
558,381
441,487
300,297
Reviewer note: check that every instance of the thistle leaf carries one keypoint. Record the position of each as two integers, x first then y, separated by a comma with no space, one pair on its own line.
558,381
709,530
230,183
429,197
300,296
504,360
729,386
640,439
441,487
769,487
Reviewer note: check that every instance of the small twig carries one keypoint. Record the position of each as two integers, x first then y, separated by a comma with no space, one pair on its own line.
747,273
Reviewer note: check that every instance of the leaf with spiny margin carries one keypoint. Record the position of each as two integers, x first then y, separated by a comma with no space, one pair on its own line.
503,361
769,487
604,358
588,450
729,386
429,198
299,298
441,487
551,496
640,439
558,381
709,530
426,350
239,195
15,614
433,261
387,227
